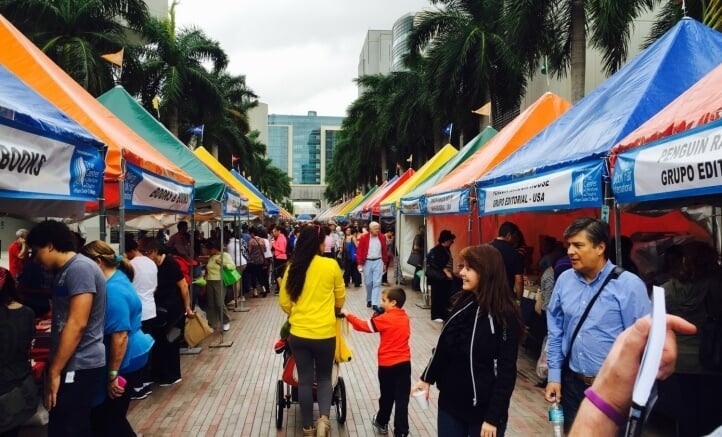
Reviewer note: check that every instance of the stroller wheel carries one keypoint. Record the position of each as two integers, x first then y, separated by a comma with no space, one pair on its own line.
280,404
339,400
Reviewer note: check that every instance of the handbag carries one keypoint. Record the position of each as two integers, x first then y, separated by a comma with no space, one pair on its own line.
343,353
416,259
230,276
196,330
434,273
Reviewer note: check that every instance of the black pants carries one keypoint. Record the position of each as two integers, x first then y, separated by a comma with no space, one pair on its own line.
351,273
395,384
440,295
314,363
572,397
110,418
164,358
71,415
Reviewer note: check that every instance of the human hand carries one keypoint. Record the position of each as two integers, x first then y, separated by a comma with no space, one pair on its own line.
360,269
189,313
487,430
615,380
553,392
421,386
114,389
52,384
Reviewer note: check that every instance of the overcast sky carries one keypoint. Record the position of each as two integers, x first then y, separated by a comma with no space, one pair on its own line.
297,55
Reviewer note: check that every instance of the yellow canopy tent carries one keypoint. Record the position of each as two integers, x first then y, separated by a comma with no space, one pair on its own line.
351,205
255,205
446,153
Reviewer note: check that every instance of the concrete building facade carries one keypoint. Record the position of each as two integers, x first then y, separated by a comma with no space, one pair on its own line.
375,57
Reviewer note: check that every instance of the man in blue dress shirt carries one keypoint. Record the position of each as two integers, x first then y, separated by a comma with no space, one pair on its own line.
619,305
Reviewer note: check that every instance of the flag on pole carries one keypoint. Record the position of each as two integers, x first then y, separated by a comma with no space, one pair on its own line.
448,129
410,158
197,130
156,105
484,109
114,58
235,158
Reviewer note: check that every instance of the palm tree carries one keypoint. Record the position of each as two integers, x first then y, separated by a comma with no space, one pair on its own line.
173,69
563,26
470,59
75,33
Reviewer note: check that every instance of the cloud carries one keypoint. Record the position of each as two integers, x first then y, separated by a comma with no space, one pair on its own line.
296,55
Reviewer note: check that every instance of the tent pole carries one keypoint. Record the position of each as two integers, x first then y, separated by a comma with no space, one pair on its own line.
238,290
221,343
101,204
397,239
617,232
425,295
121,205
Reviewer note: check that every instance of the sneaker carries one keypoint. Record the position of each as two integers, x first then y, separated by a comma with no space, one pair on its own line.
438,320
323,427
141,394
166,384
381,429
226,327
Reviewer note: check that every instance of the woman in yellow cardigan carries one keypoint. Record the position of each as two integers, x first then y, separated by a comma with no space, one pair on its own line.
312,292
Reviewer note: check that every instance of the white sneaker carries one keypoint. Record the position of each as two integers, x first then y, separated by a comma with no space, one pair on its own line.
438,320
226,327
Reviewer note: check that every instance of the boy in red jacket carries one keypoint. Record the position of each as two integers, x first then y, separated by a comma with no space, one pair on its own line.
394,359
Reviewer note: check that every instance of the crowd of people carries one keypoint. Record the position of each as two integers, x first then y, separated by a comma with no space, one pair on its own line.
117,321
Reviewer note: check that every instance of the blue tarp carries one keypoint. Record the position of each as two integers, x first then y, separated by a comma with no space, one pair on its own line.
46,155
269,207
587,132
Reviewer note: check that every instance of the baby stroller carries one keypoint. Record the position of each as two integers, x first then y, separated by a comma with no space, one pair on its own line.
287,389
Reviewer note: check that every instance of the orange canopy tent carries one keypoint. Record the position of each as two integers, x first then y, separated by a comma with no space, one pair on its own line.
25,60
520,130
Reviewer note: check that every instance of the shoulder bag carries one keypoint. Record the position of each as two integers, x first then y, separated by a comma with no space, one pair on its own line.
613,275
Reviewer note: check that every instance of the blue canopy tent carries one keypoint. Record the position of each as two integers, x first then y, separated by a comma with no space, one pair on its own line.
563,167
50,165
269,207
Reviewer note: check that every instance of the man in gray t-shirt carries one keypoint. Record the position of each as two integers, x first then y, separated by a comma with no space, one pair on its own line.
75,371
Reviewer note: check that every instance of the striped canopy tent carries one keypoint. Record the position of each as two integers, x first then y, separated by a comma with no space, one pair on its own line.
152,181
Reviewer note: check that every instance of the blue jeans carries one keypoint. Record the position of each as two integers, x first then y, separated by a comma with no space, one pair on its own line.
373,270
451,426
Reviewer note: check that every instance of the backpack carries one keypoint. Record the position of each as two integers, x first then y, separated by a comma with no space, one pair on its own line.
256,251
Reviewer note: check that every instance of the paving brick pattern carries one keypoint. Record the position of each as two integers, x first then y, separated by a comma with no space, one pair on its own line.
232,391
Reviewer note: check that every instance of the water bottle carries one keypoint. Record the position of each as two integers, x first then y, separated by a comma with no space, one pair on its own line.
556,418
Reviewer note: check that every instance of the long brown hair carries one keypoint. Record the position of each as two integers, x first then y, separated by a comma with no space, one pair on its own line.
492,293
101,251
307,247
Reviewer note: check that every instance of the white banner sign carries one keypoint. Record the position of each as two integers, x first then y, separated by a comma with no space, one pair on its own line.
456,202
146,191
33,166
688,164
234,205
387,210
412,206
577,187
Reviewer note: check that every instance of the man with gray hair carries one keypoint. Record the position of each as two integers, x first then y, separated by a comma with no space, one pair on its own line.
18,253
372,259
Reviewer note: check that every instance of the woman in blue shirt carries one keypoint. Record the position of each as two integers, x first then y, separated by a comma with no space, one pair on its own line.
127,347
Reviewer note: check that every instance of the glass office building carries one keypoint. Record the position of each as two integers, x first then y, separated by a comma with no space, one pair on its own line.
302,145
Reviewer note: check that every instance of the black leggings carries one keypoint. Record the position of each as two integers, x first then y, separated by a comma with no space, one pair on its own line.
310,354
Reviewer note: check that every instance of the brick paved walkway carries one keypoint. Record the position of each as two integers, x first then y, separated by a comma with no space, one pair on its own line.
231,391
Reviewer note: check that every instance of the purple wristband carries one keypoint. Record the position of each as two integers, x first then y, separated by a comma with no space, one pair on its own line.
604,407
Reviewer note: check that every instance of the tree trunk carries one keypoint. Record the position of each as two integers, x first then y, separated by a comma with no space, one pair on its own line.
384,165
173,120
578,50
